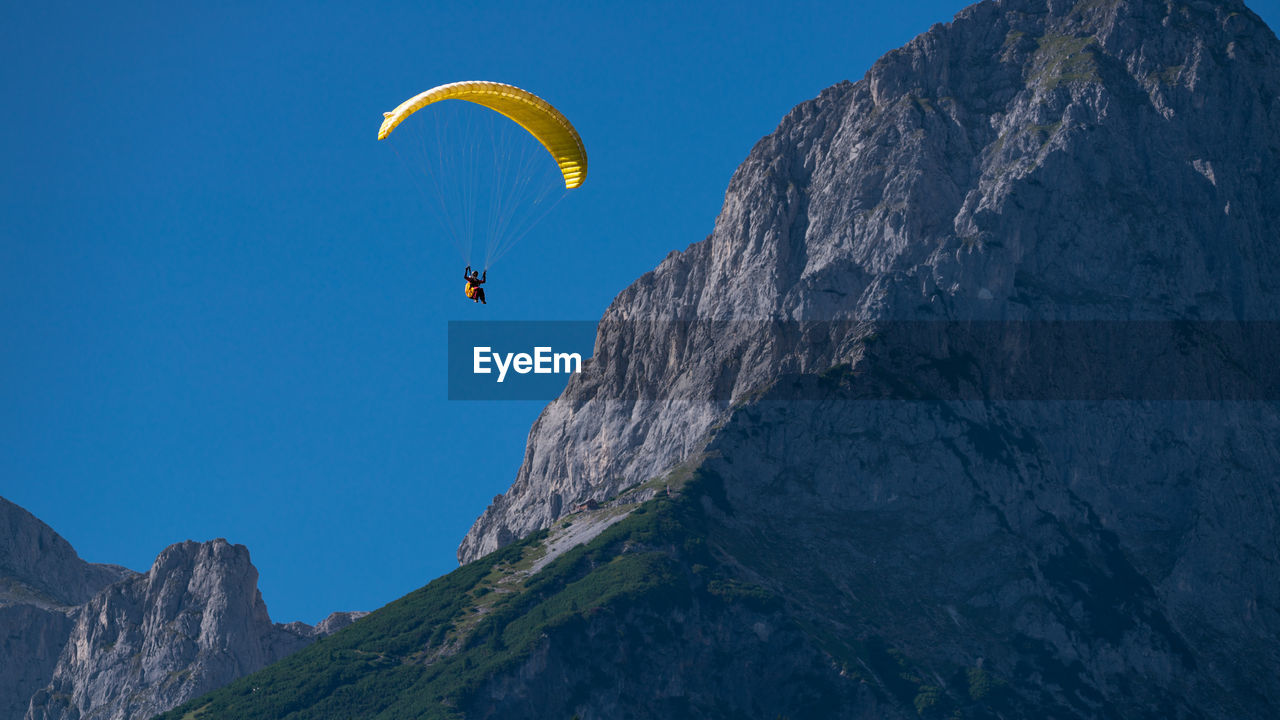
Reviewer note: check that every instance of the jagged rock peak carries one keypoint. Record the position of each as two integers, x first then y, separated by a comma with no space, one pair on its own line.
194,622
1031,160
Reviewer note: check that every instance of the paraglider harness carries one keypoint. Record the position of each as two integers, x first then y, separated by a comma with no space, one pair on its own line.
474,281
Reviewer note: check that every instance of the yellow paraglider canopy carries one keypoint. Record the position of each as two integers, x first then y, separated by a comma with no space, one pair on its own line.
529,111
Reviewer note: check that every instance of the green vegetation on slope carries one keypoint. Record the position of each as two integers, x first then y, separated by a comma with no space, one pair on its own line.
422,656
1063,59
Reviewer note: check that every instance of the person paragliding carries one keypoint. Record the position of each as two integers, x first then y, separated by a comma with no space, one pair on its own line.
487,172
474,281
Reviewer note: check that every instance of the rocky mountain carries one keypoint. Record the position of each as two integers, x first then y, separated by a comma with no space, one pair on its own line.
100,641
1088,160
967,408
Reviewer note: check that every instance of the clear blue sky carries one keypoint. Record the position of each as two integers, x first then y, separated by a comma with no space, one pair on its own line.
224,308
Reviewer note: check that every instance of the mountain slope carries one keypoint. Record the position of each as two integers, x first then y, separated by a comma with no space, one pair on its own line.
494,639
815,561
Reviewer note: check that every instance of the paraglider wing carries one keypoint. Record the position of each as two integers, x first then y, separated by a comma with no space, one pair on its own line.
529,111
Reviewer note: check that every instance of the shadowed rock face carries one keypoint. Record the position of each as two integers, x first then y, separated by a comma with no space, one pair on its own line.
193,623
30,644
1106,160
1044,542
41,580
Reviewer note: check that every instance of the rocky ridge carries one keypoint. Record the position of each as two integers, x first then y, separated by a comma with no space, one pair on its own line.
100,641
193,623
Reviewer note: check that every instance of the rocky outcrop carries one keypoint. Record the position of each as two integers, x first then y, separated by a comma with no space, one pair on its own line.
1033,160
336,621
193,623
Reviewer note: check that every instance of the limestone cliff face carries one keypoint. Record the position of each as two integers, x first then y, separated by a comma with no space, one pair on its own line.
1100,160
42,579
193,623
